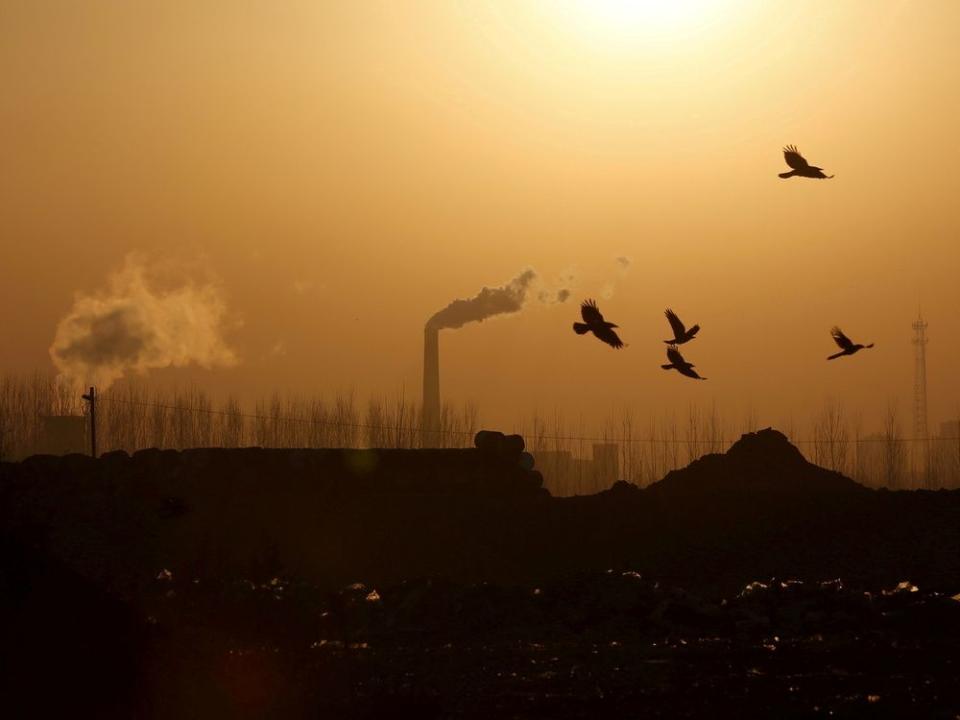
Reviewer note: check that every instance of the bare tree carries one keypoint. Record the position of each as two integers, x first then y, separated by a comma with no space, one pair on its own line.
892,448
749,419
831,441
858,470
232,426
318,423
692,440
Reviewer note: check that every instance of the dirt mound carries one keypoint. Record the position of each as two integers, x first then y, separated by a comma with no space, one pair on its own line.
759,463
471,515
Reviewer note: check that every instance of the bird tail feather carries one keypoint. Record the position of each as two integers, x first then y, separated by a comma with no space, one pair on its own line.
836,355
788,174
666,367
581,328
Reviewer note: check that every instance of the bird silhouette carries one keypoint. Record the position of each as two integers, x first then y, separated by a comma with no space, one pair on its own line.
593,322
680,332
679,364
801,167
847,346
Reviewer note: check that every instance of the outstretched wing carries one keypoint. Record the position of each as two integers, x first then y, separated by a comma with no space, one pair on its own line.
794,158
678,328
840,339
689,372
591,313
608,336
674,356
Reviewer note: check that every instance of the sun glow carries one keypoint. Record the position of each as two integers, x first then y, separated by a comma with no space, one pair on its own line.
661,12
611,19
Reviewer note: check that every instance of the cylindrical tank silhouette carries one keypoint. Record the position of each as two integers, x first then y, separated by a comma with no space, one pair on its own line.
489,441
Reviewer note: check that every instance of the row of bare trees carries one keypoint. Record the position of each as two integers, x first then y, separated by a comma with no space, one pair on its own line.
23,401
133,416
887,458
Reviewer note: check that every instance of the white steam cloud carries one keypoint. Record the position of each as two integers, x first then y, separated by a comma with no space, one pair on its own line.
133,327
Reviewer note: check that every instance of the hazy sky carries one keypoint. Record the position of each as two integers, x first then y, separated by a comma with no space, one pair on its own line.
341,171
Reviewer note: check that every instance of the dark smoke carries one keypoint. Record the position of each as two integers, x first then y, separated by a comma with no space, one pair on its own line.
563,291
486,303
549,297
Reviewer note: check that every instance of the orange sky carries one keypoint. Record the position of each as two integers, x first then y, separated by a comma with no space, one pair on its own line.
344,170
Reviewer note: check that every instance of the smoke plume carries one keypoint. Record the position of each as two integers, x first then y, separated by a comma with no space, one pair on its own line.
549,297
609,288
486,303
133,327
563,291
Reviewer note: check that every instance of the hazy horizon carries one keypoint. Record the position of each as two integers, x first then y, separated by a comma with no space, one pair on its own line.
323,180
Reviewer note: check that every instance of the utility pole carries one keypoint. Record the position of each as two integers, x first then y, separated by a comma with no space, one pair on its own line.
91,398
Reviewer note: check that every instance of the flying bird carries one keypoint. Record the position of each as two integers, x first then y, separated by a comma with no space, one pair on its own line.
679,364
680,332
593,322
847,346
801,167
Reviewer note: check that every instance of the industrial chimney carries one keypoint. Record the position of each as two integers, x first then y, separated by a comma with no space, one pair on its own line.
486,303
431,385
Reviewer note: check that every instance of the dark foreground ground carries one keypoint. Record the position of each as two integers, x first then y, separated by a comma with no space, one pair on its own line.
609,644
259,584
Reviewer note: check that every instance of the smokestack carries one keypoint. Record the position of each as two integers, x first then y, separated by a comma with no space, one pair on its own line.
431,384
488,302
